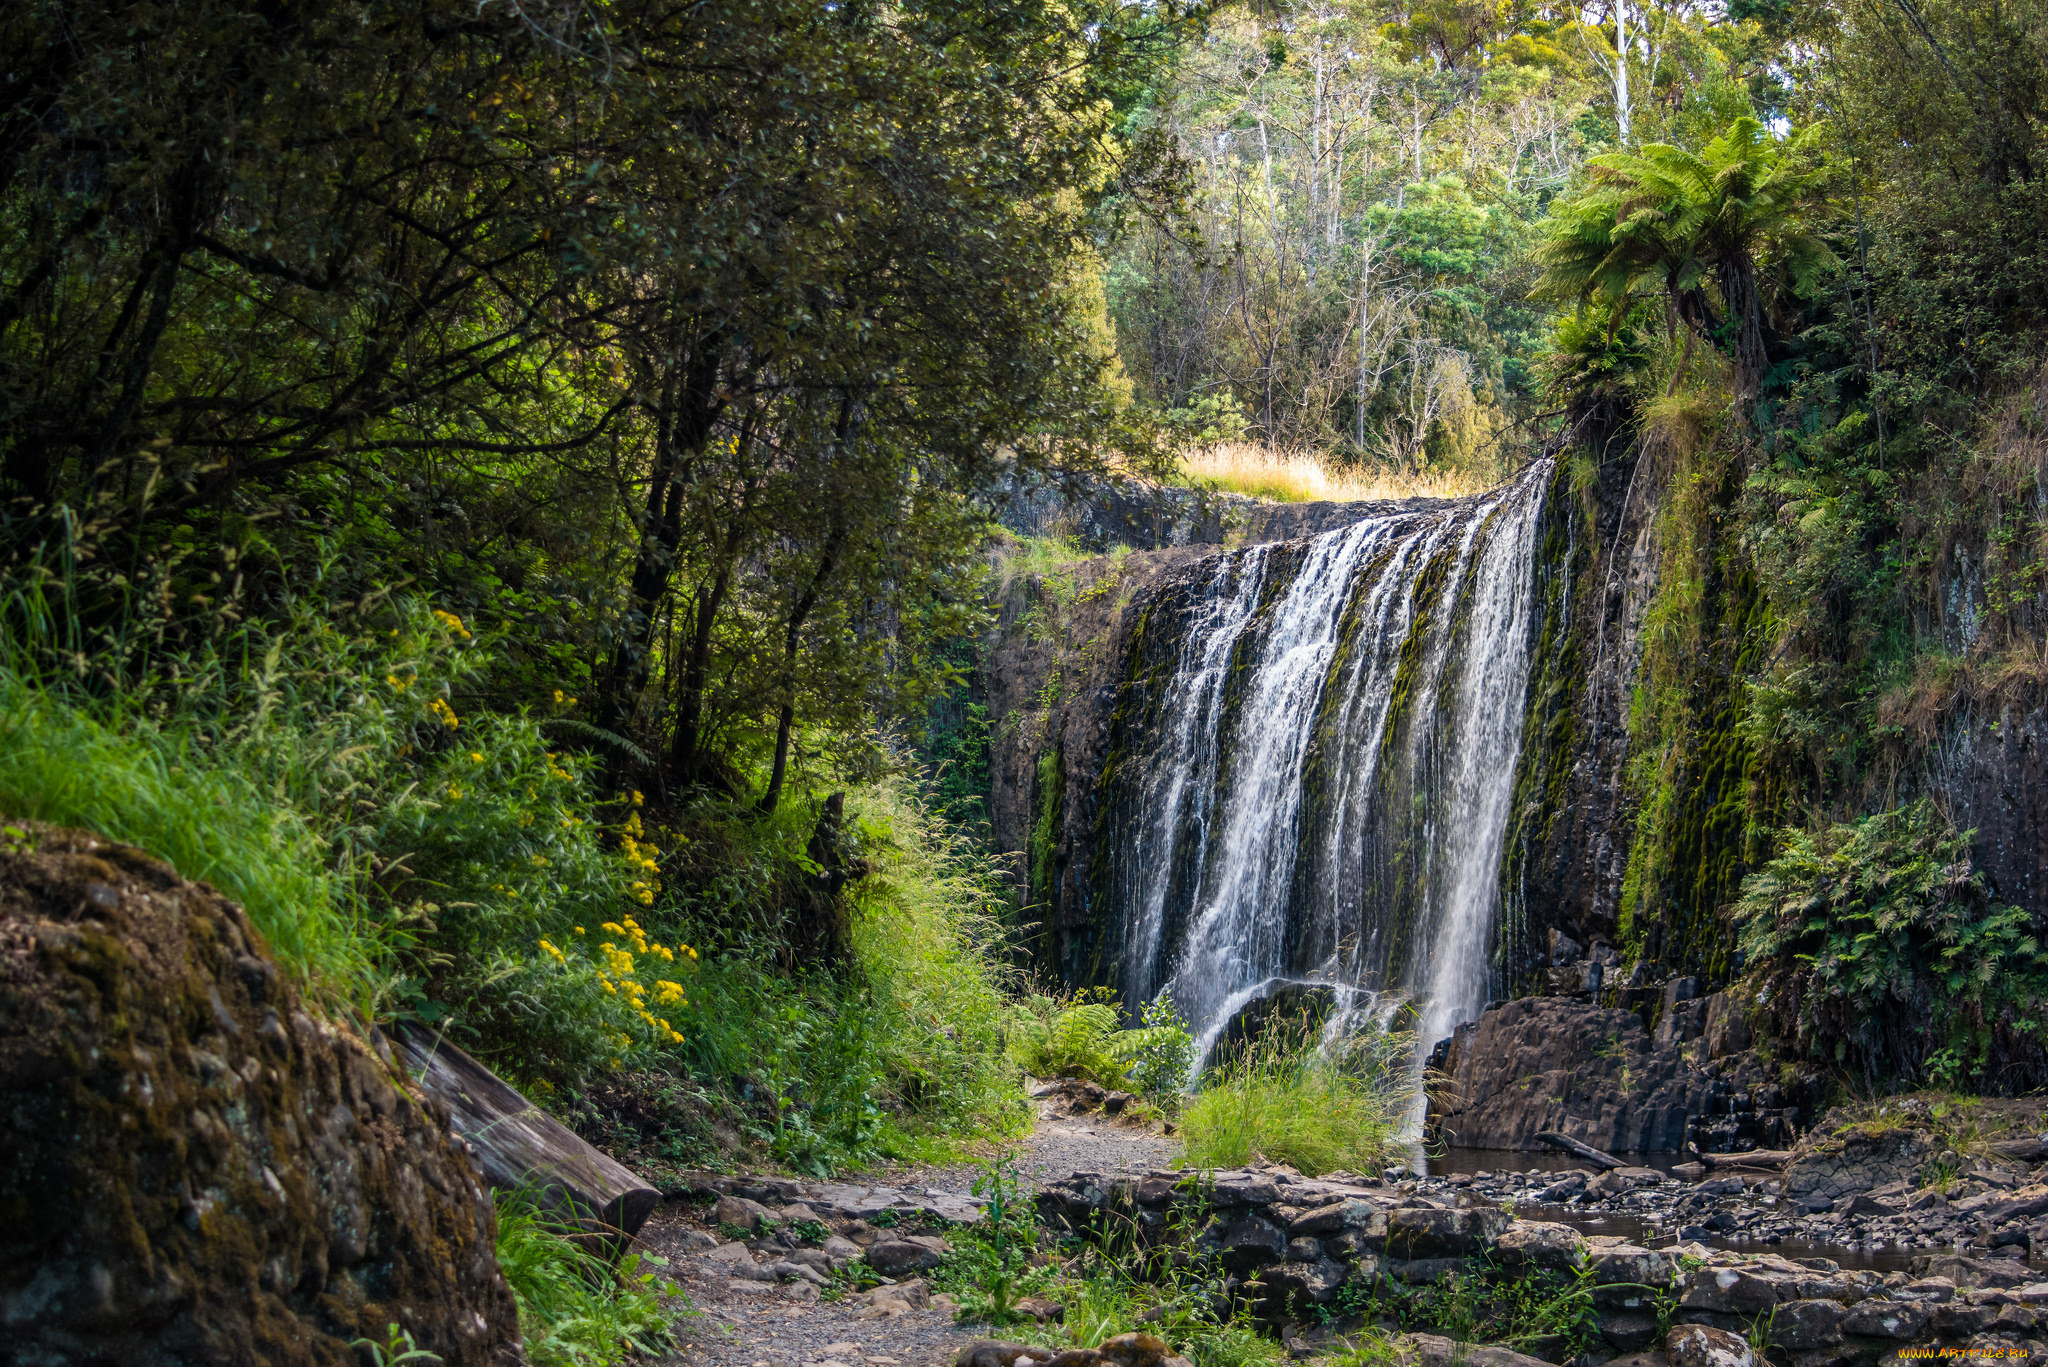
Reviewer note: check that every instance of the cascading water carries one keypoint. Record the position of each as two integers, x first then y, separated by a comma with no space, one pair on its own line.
1315,766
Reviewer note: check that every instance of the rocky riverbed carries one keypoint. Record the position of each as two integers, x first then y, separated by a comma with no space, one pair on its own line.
1317,1258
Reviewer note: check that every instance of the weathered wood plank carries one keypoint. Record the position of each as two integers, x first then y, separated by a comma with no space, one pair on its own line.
522,1148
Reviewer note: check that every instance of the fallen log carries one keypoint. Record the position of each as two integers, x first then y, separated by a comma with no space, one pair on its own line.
522,1148
1578,1150
2025,1150
1756,1158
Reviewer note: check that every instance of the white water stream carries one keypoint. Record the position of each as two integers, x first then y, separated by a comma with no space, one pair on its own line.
1319,792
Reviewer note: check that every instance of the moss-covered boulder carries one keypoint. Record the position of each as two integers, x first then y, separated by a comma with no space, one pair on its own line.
199,1168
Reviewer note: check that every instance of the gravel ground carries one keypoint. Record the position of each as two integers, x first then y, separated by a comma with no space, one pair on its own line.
741,1323
1059,1145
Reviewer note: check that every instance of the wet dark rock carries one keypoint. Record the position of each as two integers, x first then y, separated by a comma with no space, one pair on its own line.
1629,1333
1296,1287
1551,1063
1886,1319
1801,1325
1252,1242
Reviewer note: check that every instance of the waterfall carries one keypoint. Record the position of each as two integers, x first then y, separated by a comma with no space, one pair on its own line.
1312,773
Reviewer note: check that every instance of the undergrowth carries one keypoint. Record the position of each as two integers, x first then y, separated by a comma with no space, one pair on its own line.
575,1308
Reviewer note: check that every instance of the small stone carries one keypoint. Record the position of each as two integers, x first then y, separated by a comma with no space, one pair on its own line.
730,1253
1700,1345
1041,1309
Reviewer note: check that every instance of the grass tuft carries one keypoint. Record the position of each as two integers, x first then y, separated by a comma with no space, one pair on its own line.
1286,1102
575,1309
151,787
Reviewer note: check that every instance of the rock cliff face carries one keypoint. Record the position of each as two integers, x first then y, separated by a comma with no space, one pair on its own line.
1051,678
201,1170
1597,1075
1990,774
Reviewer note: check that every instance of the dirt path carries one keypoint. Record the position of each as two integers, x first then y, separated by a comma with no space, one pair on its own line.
740,1322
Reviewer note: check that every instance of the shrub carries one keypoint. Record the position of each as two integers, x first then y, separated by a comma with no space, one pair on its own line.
1876,947
1080,1038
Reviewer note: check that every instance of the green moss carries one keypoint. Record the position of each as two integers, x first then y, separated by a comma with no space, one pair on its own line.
1048,796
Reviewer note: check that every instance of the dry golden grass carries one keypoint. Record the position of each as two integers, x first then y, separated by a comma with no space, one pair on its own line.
1294,475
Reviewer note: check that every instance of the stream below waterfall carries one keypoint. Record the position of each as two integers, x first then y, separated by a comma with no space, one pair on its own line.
1317,769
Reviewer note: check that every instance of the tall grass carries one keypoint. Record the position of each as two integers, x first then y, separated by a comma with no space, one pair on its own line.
1295,475
1283,1100
143,784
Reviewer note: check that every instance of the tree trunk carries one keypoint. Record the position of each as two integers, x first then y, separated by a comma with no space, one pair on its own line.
1746,313
689,410
785,720
684,757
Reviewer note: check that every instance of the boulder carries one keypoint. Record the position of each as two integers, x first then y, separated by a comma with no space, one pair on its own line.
1299,1286
1726,1291
1798,1326
1838,1167
738,1210
200,1167
1699,1345
1134,1350
1886,1319
1430,1232
1554,1064
1975,1272
1540,1243
1432,1350
1630,1332
1252,1242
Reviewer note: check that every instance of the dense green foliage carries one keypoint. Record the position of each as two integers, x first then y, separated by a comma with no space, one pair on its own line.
1812,365
1083,1039
1873,941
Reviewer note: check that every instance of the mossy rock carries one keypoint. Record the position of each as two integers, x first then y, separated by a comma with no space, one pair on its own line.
201,1168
